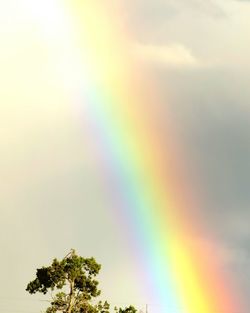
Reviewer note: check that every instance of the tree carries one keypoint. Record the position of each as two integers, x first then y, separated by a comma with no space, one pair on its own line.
75,277
129,309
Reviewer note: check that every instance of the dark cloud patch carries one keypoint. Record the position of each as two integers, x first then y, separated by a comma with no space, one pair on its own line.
214,112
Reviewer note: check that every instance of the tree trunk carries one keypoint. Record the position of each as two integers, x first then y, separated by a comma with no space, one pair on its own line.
71,297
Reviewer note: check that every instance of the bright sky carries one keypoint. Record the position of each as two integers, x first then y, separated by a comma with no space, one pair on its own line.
198,53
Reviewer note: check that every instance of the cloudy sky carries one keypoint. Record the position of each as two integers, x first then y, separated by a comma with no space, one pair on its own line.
198,53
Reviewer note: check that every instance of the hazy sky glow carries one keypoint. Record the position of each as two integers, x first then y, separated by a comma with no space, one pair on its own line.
197,52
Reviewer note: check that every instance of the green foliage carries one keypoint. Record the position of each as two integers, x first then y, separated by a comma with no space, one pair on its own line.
129,309
75,277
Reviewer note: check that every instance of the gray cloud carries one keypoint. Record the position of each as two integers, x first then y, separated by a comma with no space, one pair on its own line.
151,20
213,110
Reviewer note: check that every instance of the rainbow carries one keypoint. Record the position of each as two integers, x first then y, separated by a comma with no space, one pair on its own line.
140,160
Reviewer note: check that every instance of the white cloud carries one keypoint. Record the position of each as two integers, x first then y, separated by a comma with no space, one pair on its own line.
173,55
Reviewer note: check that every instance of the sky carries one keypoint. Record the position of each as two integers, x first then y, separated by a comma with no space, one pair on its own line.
197,54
